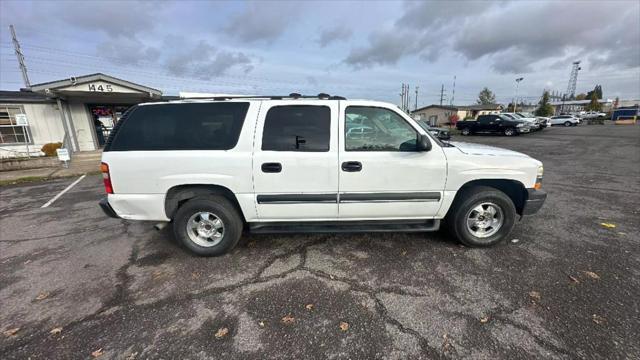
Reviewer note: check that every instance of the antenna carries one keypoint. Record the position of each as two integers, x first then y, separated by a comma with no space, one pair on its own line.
23,67
573,79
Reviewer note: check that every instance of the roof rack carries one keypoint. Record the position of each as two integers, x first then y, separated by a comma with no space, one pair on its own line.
321,96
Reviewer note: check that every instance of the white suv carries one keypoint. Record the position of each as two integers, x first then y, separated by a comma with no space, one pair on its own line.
216,167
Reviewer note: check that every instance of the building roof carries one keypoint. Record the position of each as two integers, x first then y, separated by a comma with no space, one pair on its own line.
52,85
462,107
579,102
445,107
481,107
23,96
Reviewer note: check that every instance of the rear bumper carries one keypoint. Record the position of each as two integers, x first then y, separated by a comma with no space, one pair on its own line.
108,210
535,200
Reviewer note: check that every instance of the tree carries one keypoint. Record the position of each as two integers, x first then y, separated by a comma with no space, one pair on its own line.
597,90
594,105
486,96
544,108
581,96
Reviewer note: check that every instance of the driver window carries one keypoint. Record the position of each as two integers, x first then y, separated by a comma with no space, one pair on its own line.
377,129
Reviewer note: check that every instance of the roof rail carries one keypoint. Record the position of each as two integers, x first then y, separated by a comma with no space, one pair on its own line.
321,96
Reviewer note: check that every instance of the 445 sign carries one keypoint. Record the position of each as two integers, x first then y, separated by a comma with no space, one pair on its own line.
100,87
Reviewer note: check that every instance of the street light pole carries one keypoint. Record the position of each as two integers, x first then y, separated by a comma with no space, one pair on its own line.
515,102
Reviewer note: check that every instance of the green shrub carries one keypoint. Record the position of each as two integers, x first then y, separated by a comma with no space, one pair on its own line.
50,148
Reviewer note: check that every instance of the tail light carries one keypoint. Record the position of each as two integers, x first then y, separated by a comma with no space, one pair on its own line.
106,178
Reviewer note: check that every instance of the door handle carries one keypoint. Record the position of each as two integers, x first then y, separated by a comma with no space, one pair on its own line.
272,167
351,166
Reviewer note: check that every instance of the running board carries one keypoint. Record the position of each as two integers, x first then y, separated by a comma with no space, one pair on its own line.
344,226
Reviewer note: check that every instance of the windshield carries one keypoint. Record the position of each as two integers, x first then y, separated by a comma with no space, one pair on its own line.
510,116
524,114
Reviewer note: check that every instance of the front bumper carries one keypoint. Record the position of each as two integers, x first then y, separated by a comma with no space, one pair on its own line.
108,210
535,200
523,130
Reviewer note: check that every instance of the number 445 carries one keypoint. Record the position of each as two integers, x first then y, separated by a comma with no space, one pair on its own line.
93,87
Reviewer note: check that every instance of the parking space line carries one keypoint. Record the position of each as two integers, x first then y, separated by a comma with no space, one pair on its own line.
63,192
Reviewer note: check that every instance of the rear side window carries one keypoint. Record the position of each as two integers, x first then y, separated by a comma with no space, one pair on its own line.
297,128
203,126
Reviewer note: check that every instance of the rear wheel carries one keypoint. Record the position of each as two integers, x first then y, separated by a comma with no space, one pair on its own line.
465,131
481,216
208,226
509,131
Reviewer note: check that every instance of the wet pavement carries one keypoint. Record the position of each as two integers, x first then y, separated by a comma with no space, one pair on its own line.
563,286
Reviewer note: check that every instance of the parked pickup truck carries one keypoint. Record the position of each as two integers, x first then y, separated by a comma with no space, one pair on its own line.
218,167
493,123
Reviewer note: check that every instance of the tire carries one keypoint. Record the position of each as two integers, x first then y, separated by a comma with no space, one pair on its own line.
567,123
465,131
464,208
509,131
217,207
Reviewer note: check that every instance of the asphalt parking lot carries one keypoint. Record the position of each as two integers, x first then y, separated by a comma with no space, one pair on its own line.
74,282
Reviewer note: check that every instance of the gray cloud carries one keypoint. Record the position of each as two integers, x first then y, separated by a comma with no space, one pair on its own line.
513,36
202,60
385,47
337,33
261,21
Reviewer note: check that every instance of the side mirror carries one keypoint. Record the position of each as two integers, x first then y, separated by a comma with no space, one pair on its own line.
444,135
423,143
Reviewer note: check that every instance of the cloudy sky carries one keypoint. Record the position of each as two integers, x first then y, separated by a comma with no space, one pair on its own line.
355,49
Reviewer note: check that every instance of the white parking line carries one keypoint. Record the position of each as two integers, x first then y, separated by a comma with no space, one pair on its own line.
63,192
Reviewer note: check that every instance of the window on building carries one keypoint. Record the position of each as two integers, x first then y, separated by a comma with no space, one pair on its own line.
297,128
12,131
203,126
377,129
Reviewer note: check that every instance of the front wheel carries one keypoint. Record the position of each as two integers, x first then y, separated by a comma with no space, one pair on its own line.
567,123
481,216
208,226
509,131
465,131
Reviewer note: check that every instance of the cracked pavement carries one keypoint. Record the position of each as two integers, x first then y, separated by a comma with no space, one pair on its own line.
131,291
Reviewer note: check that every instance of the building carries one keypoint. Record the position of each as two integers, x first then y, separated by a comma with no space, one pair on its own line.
438,115
574,106
78,111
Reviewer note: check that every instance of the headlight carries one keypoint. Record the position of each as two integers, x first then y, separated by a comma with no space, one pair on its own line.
538,184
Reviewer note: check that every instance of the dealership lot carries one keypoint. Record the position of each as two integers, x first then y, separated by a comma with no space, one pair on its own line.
565,286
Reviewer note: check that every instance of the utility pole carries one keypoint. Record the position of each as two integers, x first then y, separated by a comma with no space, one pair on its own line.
416,107
515,103
453,92
23,67
441,94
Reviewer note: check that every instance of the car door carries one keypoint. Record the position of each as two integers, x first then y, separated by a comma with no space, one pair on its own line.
295,160
486,124
381,175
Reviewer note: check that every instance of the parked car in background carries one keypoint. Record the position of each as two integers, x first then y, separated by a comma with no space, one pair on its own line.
493,123
541,121
566,120
594,115
532,122
440,133
544,121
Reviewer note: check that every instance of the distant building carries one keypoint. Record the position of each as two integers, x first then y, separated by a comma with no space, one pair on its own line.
438,115
79,111
573,106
